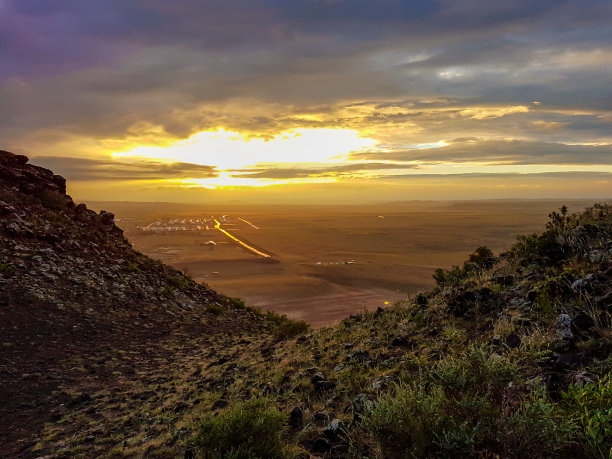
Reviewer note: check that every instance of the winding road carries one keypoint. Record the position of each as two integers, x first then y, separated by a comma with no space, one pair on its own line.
238,241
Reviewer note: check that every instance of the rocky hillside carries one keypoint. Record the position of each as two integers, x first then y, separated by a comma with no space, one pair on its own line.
510,356
106,352
87,321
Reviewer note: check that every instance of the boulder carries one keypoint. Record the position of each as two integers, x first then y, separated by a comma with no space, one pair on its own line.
564,327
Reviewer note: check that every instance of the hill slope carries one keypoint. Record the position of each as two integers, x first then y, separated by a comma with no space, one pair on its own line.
509,356
87,321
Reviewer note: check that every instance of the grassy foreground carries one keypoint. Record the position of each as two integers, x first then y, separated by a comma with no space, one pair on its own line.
509,356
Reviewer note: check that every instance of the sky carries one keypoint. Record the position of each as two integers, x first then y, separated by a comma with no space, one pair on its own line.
339,101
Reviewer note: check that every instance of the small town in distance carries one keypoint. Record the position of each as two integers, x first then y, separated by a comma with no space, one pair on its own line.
203,225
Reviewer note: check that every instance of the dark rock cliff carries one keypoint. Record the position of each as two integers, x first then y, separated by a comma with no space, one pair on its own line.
71,288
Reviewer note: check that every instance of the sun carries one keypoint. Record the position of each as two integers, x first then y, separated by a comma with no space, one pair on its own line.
233,151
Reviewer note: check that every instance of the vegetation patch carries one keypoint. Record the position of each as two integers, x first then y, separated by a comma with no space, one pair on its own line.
249,429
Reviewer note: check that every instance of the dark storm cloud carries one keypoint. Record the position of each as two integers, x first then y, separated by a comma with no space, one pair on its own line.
92,169
96,68
503,152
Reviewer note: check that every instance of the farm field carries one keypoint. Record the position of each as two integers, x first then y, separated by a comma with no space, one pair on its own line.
323,263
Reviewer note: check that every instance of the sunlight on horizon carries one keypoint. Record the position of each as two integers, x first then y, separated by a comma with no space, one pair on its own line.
229,150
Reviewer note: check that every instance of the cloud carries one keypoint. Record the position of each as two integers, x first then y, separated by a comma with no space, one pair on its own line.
343,170
87,76
471,150
483,114
80,169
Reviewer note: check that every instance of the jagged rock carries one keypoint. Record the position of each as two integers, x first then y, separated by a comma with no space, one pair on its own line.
513,341
334,430
220,404
67,298
403,341
321,445
605,300
361,356
326,385
360,405
321,383
583,283
597,256
317,378
565,361
564,327
581,378
532,295
296,418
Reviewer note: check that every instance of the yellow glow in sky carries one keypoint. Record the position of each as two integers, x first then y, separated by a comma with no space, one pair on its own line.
226,180
232,150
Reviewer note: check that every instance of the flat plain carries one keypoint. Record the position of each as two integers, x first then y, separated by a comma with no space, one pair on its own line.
325,262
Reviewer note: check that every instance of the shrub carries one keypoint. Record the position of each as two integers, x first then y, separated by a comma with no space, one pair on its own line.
52,199
177,282
476,371
237,303
450,277
132,268
403,424
290,328
536,429
5,269
215,309
591,406
166,291
248,429
285,327
483,257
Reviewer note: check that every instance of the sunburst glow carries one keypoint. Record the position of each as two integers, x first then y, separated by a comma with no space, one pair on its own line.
233,150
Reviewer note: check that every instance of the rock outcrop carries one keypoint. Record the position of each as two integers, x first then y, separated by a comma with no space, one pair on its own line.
72,289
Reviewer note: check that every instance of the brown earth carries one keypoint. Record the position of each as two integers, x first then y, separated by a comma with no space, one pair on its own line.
327,256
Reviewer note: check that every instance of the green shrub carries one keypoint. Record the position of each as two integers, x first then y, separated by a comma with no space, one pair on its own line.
476,371
482,257
246,430
177,282
215,309
454,276
537,429
5,269
403,424
237,303
591,406
53,199
166,291
290,328
132,268
285,327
